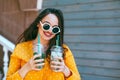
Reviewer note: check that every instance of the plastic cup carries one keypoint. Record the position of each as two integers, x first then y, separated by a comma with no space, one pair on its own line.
56,51
39,49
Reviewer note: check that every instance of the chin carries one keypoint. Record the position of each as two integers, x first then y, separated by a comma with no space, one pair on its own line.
47,38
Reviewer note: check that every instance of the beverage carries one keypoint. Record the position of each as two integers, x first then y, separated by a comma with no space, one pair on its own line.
56,51
39,49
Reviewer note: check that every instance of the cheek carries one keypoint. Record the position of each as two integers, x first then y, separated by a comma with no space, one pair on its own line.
49,38
53,36
40,29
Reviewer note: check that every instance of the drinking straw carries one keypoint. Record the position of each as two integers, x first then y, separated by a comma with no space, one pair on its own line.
57,40
39,43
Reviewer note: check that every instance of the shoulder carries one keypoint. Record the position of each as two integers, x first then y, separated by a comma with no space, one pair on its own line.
21,48
66,47
67,50
22,44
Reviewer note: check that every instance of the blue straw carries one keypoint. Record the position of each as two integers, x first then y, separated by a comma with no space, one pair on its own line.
57,40
38,43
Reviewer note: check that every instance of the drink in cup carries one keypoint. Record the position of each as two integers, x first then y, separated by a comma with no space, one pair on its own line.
38,49
56,51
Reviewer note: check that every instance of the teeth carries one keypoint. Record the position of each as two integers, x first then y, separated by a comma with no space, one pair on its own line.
47,34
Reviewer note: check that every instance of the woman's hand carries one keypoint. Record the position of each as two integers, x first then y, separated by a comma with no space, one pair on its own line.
34,63
58,65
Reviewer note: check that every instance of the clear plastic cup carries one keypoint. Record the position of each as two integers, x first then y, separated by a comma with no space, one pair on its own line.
39,49
56,51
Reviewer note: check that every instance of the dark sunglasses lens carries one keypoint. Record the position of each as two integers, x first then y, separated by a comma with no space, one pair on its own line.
46,27
55,30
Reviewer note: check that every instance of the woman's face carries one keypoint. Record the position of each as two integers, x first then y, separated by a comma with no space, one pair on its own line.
53,21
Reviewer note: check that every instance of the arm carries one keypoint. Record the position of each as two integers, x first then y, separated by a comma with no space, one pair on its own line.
67,66
14,65
71,66
31,65
13,69
16,69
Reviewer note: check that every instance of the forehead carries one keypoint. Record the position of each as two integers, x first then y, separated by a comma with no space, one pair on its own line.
51,18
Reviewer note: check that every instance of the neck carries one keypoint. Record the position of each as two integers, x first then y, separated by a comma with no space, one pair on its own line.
42,41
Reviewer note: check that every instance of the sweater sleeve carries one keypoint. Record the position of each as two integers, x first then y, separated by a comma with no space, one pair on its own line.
70,63
14,66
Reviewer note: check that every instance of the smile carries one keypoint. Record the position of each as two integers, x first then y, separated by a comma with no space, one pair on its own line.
48,34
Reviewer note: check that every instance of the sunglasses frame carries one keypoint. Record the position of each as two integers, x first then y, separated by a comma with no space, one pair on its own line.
51,27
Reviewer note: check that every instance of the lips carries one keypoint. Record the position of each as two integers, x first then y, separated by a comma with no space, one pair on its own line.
48,34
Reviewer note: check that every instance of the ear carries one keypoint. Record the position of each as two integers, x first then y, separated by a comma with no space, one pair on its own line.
38,25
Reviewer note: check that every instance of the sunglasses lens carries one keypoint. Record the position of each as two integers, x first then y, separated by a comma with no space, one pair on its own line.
55,30
46,27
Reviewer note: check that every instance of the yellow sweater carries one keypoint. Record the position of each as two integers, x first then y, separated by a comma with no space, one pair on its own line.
22,54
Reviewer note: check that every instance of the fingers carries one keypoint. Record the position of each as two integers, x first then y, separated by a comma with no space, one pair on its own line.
37,56
57,64
36,63
39,61
38,66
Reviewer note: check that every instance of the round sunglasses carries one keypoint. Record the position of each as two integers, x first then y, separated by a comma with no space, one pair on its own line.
46,27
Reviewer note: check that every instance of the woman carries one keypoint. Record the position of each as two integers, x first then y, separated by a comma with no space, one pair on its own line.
23,64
